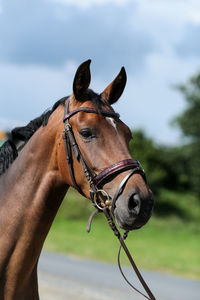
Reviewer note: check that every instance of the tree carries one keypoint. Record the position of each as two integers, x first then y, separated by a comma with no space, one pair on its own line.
189,123
165,167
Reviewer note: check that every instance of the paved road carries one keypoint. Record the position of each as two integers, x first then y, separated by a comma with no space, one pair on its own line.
63,277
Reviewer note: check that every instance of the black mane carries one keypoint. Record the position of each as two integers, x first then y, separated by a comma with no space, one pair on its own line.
9,151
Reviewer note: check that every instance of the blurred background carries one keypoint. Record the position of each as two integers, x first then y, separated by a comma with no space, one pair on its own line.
41,45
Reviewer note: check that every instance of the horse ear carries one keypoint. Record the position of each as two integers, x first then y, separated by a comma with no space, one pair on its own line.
115,88
82,80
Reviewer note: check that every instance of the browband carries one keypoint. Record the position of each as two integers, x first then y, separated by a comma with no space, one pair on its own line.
104,113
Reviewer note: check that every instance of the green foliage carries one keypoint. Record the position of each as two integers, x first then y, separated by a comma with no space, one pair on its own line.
169,169
144,150
189,122
165,167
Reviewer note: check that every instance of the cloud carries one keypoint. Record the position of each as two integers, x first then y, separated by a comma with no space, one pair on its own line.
43,42
150,101
174,12
27,91
53,34
165,9
88,3
189,46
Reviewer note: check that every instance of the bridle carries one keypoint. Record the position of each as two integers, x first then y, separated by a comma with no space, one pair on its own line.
100,198
96,181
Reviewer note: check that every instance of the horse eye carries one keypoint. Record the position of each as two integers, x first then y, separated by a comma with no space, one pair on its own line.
86,133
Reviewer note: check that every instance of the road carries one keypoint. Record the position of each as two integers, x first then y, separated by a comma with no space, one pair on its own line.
65,277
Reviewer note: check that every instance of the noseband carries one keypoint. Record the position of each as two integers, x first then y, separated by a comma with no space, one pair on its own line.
100,198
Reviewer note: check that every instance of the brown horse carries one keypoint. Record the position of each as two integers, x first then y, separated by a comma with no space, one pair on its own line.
35,177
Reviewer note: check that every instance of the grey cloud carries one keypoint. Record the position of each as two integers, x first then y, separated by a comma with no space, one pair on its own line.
32,33
190,44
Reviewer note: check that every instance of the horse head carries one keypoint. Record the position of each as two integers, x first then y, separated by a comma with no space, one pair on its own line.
98,155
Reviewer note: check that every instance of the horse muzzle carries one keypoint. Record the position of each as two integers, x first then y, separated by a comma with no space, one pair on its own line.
133,212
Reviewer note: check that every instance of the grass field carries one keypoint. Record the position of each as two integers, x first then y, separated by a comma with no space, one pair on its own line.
169,244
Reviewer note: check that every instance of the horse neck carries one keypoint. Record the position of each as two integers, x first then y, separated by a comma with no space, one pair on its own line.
31,192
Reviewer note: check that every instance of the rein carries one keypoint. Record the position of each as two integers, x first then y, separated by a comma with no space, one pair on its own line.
100,198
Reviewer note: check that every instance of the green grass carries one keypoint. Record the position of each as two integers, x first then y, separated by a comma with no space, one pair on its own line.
169,244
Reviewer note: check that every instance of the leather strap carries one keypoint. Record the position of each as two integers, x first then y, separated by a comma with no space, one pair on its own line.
123,245
121,188
117,168
69,158
104,113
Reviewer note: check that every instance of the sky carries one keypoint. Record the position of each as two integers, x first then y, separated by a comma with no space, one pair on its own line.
42,42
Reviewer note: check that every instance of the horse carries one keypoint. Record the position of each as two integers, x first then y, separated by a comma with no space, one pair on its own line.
40,161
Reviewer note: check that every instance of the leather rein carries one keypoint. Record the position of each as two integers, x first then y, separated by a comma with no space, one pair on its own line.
100,198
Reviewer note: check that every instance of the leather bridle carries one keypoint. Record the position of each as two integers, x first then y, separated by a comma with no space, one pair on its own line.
96,181
100,198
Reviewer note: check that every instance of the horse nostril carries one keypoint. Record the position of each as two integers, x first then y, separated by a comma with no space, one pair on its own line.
134,204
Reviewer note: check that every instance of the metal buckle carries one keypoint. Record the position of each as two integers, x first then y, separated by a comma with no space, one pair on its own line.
107,201
67,126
